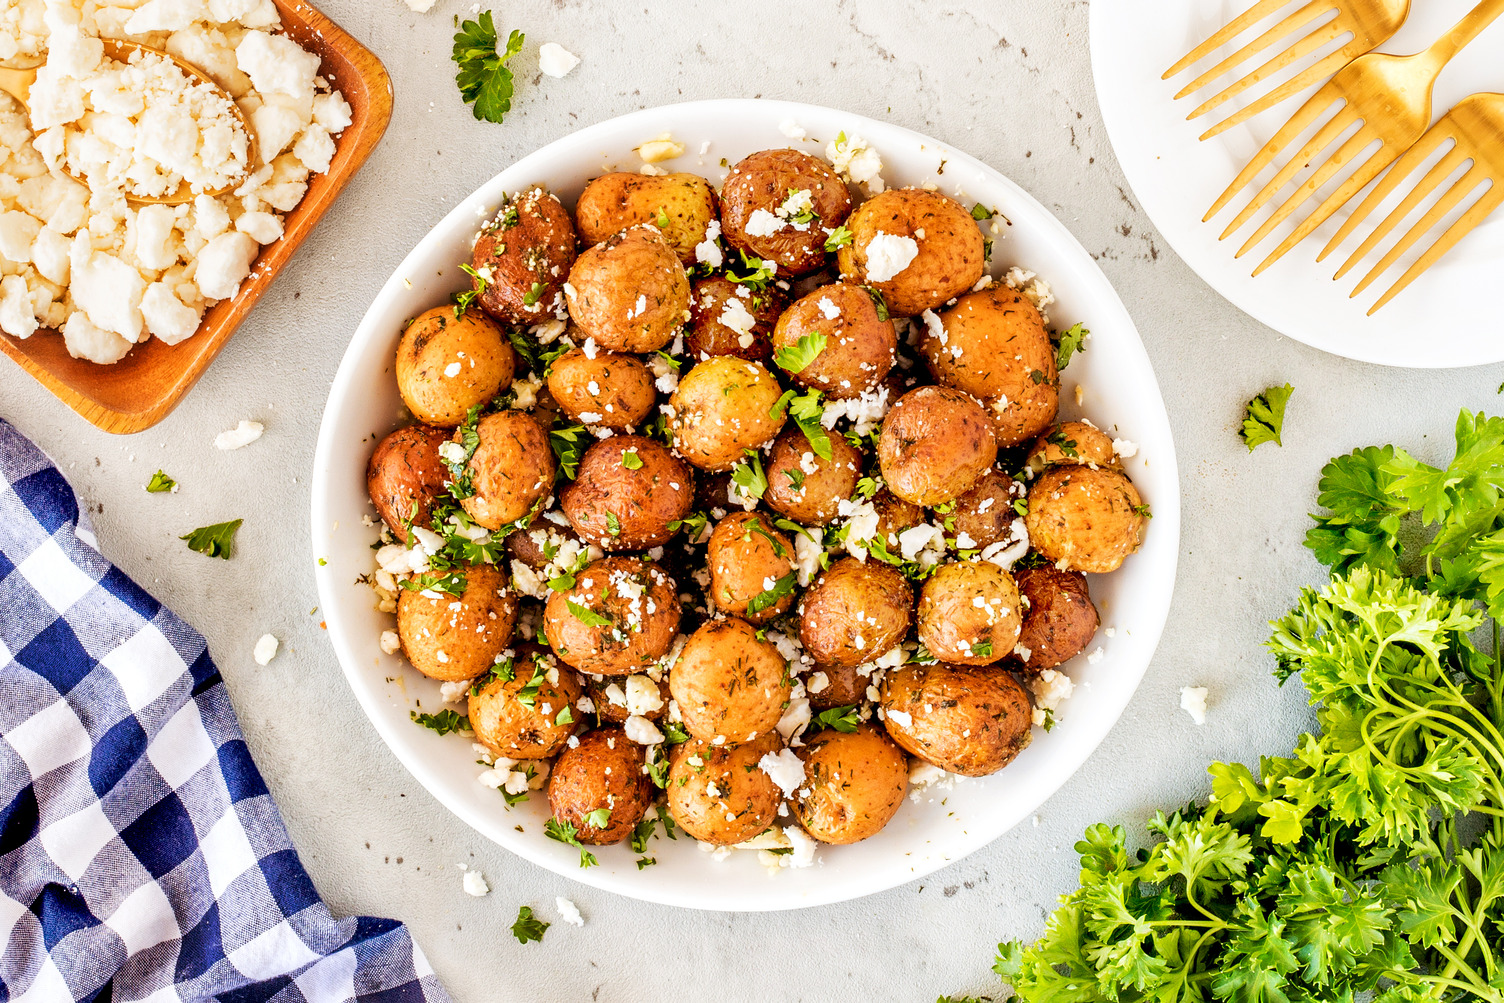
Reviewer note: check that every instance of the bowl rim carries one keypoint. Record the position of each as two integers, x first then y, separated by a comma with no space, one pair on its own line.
376,323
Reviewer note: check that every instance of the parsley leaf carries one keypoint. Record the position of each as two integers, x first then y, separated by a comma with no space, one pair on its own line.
843,719
768,598
838,238
442,723
161,482
569,444
1068,344
979,212
598,819
797,357
528,927
748,476
566,833
631,460
217,540
587,616
1266,417
485,82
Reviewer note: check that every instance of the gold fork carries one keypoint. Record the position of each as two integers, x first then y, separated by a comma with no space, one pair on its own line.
1476,128
1387,97
1372,23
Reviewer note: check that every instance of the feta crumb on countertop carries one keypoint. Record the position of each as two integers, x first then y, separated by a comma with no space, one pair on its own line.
568,911
475,882
555,60
266,649
1193,702
242,434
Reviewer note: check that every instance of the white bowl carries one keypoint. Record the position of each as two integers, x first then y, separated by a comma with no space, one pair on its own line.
1120,394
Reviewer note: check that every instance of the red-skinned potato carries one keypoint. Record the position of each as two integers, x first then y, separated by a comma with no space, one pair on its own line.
602,774
405,475
523,257
628,492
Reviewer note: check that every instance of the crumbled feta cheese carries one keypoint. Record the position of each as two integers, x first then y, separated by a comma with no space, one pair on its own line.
555,60
888,254
391,643
763,224
901,718
421,6
568,911
785,768
1193,702
642,695
791,129
266,649
642,731
707,251
475,882
855,161
1051,689
804,848
241,435
1124,448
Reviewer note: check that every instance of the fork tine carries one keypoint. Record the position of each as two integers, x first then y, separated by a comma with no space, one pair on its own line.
1464,225
1426,186
1304,157
1298,50
1318,70
1305,15
1362,175
1448,201
1319,103
1403,168
1226,33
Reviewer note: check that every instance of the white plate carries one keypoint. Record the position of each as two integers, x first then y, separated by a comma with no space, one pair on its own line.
1120,393
1447,317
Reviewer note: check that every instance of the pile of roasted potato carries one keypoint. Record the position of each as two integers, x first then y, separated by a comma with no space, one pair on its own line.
739,501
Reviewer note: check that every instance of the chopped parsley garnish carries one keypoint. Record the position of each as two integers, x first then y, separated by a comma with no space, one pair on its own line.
877,301
797,357
806,411
463,301
1021,506
587,616
598,819
839,237
485,82
980,212
661,219
565,833
674,363
613,524
528,927
469,442
753,272
501,670
674,733
534,294
1266,417
631,460
749,477
982,649
755,526
528,695
795,528
692,524
1068,344
217,540
843,719
866,487
160,482
569,444
646,862
565,716
1066,445
796,478
442,723
769,597
920,656
1143,510
450,582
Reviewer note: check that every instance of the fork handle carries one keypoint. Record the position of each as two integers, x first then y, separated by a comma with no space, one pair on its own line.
17,83
1465,31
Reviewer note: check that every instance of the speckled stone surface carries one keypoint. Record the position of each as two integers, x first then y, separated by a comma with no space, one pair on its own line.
1007,81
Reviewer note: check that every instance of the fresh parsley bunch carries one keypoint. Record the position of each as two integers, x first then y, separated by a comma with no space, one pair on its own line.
1371,860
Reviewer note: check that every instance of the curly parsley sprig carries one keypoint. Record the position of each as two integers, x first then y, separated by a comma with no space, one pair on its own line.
484,80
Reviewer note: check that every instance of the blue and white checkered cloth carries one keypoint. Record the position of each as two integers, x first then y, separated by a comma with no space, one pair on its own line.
141,857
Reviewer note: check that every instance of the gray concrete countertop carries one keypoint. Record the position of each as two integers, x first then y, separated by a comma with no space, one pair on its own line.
1007,81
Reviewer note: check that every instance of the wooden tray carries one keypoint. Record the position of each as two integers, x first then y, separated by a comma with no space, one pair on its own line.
143,388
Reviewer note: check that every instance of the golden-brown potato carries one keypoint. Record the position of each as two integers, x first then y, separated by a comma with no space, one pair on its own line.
451,644
603,773
525,708
523,257
894,515
859,345
854,783
774,182
446,364
1085,518
963,720
854,612
628,492
835,686
1060,619
804,487
404,476
722,407
621,615
616,698
511,471
937,235
718,795
985,514
611,390
750,562
681,205
729,684
936,444
995,347
969,613
727,318
1072,442
629,292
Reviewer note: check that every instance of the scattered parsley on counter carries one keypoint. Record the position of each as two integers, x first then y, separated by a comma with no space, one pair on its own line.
217,540
442,723
1266,417
527,926
160,482
485,82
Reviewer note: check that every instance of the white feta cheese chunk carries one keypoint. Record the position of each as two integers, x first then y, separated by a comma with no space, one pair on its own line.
568,911
243,434
475,882
266,649
1193,702
888,254
555,60
785,768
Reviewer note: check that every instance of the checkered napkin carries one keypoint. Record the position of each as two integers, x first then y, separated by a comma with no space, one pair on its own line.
141,856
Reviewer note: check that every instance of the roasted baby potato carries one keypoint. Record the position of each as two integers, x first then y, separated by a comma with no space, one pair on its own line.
604,773
525,708
727,318
523,257
1085,518
682,206
963,720
917,248
969,613
621,615
611,389
804,487
854,612
854,783
617,698
722,407
936,444
729,684
782,205
452,644
985,514
894,515
1059,619
537,545
835,686
859,345
718,794
404,476
628,492
750,563
1072,442
629,292
511,471
447,364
